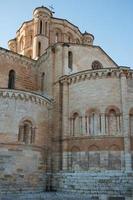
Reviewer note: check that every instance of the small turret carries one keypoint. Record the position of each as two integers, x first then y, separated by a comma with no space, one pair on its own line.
12,45
41,12
88,38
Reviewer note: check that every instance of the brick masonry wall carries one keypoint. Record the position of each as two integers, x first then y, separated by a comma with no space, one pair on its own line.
26,75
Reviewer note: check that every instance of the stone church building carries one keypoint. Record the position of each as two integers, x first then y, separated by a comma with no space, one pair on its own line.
66,113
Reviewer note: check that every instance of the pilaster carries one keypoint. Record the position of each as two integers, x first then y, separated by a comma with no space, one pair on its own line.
103,124
125,128
65,122
65,109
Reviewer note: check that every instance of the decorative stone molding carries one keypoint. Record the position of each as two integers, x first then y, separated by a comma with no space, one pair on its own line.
25,96
20,146
97,74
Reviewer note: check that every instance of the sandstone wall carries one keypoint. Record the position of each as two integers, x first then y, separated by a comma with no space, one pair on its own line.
24,150
84,56
99,186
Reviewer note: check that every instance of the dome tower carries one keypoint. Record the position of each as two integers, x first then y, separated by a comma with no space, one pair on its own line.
41,16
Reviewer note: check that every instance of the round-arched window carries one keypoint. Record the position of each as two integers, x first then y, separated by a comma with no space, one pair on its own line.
96,65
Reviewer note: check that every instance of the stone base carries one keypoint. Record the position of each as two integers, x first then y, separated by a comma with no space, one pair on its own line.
59,196
107,185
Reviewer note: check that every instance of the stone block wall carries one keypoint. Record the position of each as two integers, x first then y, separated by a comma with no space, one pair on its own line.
21,170
93,160
101,185
24,141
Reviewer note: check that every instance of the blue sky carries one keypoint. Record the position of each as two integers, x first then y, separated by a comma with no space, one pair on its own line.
110,21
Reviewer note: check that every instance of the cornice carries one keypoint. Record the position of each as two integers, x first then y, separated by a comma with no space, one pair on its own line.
19,146
96,74
10,55
25,96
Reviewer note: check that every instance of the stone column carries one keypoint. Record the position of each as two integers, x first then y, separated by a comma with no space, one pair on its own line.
107,124
71,126
80,126
83,125
65,109
65,70
65,122
21,133
118,124
125,128
102,124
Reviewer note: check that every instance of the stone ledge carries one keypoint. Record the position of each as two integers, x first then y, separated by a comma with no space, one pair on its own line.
97,74
25,96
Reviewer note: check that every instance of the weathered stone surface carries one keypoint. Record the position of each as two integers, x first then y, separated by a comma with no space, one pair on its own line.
66,118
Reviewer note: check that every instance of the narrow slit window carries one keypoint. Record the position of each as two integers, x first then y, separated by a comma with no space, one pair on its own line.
11,80
41,27
56,37
42,81
39,49
70,60
46,28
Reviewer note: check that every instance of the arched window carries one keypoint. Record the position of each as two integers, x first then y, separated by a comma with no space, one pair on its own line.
70,37
26,132
76,124
46,28
11,79
31,39
39,49
56,37
40,27
96,65
42,81
93,122
112,122
70,60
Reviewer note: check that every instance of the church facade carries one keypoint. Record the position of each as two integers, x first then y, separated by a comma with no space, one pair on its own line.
66,121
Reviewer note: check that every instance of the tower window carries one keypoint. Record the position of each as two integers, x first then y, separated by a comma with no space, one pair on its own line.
11,79
39,49
41,27
46,28
56,37
42,81
96,65
70,60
